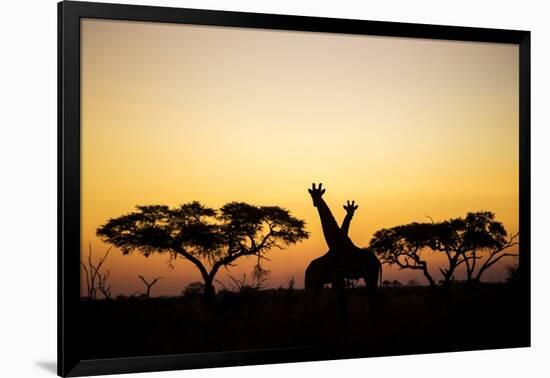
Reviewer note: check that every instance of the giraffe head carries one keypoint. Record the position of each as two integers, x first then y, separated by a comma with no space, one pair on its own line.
350,208
316,193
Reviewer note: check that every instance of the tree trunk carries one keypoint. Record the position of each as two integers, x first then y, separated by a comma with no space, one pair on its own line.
209,289
448,275
469,270
447,281
469,280
429,278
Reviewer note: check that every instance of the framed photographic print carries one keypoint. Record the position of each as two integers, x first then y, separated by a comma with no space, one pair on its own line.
239,188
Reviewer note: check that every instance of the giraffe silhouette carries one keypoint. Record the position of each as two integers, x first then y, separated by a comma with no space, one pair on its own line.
344,259
320,270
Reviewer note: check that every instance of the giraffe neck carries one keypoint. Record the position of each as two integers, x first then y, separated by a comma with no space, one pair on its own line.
346,223
333,235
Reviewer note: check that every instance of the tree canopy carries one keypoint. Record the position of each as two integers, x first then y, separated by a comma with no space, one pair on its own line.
478,241
209,238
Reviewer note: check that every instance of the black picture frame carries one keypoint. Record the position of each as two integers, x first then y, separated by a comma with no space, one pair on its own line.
69,16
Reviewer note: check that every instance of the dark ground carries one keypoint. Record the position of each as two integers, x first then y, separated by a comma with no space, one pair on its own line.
409,320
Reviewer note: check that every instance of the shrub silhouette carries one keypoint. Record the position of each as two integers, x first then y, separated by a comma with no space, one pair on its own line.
194,288
210,239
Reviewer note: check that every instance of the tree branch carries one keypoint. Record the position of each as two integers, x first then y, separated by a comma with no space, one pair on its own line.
200,266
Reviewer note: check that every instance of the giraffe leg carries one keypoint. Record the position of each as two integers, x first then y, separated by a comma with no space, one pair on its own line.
371,279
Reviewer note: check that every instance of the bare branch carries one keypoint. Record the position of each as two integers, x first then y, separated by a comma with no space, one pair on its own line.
95,280
149,284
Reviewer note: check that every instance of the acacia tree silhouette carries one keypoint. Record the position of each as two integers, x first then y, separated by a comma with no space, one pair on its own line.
483,238
476,237
208,238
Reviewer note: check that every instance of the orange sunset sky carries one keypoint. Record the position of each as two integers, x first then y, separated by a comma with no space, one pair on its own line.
405,127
